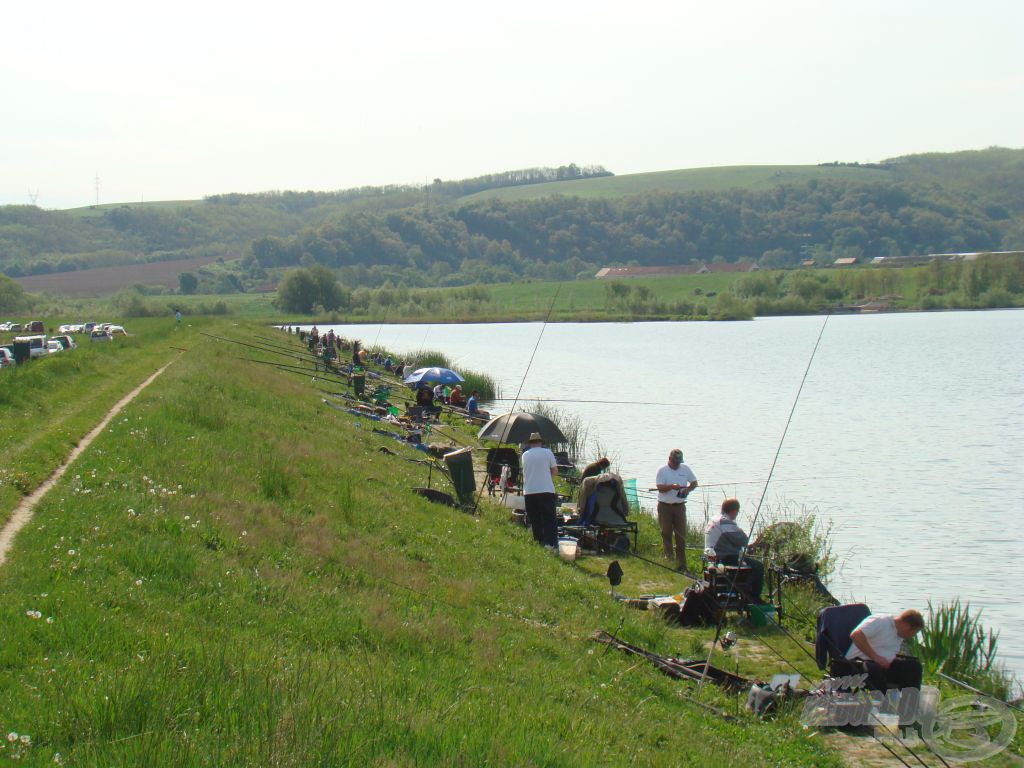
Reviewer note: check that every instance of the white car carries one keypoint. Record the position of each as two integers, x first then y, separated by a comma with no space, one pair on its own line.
116,330
99,335
52,347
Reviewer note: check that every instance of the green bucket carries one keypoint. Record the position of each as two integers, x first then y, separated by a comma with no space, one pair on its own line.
761,615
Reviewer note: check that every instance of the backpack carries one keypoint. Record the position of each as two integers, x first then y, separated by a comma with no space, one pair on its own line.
700,607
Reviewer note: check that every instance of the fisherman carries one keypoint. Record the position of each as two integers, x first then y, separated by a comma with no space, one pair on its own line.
675,480
539,470
439,393
596,468
472,405
400,370
456,398
425,396
876,642
726,540
356,360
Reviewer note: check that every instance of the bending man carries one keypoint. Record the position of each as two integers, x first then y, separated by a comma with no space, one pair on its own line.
877,641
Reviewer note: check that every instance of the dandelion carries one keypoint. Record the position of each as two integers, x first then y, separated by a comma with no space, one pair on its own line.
138,582
72,552
57,758
188,517
25,739
49,619
12,737
245,533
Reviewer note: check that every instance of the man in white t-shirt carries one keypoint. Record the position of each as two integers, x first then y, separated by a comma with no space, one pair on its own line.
877,641
675,480
539,469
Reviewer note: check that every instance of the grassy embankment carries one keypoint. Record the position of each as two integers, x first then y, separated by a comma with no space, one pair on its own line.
249,581
49,404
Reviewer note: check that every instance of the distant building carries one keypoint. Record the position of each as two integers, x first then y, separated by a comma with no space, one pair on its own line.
614,273
807,263
845,262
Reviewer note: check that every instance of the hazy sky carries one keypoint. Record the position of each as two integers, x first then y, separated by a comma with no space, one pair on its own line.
185,99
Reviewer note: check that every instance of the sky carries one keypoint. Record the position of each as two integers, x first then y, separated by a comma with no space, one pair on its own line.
168,101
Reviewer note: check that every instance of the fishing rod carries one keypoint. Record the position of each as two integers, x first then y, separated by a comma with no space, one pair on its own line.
508,422
756,482
569,400
771,471
977,691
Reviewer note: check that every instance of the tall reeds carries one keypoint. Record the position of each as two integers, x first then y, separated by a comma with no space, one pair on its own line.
954,641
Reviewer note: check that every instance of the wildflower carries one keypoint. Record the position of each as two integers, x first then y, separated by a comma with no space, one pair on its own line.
12,737
57,758
49,619
25,739
188,517
72,552
138,582
245,533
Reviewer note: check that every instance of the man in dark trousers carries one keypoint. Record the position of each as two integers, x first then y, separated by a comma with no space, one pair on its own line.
877,641
675,480
539,470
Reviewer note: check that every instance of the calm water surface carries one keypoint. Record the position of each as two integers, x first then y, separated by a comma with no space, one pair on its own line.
908,438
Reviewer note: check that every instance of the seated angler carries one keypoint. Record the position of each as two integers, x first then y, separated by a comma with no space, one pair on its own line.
726,540
457,398
876,642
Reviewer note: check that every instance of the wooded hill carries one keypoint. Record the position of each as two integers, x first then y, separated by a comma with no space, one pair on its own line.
550,223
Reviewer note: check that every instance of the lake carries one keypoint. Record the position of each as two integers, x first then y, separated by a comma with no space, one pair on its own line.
908,437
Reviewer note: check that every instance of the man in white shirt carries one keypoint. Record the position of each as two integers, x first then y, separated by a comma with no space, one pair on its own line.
877,641
675,480
539,469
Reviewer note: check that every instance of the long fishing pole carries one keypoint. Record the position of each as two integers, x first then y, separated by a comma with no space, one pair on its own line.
508,421
602,402
753,522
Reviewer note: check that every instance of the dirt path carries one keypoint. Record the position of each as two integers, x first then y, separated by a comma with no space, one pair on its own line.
23,512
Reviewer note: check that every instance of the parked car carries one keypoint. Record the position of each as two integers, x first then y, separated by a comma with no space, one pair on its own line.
53,346
5,327
36,326
99,335
116,330
65,341
27,347
70,329
6,358
87,327
14,327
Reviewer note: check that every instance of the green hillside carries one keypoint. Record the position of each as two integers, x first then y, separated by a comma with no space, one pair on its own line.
718,179
549,224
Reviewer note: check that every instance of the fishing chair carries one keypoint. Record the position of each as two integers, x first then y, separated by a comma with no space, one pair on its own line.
731,587
602,516
832,637
503,470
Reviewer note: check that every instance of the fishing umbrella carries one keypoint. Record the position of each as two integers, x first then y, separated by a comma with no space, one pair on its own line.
517,428
432,376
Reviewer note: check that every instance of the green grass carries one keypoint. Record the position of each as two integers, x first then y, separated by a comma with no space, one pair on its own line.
715,179
48,404
249,581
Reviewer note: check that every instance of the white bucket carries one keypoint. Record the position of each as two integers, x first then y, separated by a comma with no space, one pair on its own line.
886,724
568,549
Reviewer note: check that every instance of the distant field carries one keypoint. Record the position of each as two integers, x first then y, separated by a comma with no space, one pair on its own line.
105,280
97,210
688,180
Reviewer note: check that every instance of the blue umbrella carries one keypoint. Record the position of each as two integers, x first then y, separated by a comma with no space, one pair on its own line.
432,376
